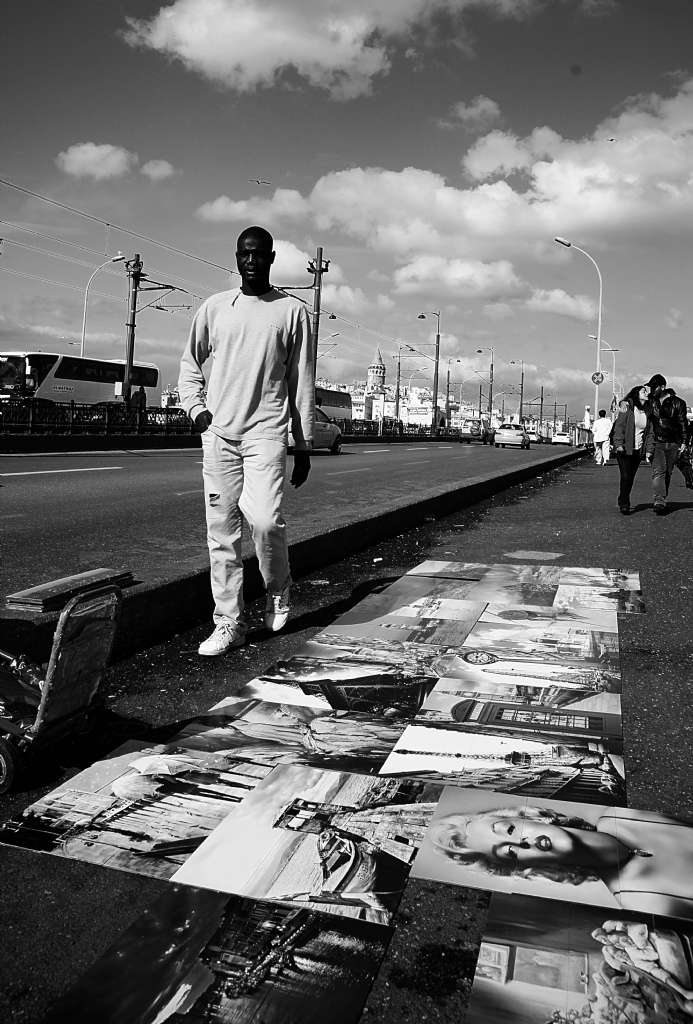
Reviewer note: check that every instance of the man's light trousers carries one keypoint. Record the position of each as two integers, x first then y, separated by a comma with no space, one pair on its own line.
243,477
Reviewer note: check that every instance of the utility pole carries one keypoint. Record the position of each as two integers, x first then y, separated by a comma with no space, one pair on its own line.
541,409
490,393
434,423
480,396
136,277
134,271
399,370
317,268
554,414
447,400
522,389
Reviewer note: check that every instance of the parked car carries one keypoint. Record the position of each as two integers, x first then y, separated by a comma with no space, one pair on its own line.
533,435
327,434
511,434
561,437
476,430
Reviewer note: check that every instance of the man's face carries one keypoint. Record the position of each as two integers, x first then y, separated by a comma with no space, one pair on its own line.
253,260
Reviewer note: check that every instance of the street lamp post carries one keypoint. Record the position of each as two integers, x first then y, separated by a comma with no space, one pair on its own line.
489,348
613,352
447,393
522,382
598,338
434,419
114,259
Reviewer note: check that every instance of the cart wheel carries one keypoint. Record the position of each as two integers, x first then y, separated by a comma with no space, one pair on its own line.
9,764
86,722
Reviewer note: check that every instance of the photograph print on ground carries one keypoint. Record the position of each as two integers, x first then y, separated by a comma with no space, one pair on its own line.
599,855
144,809
389,677
542,961
324,840
559,643
200,957
534,768
533,682
290,734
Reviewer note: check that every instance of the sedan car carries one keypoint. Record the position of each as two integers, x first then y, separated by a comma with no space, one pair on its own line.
327,434
511,434
533,435
561,437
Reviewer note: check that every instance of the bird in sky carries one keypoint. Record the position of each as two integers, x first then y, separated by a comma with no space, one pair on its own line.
257,181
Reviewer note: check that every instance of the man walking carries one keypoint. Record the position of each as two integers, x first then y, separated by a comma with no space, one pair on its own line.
601,435
667,437
261,383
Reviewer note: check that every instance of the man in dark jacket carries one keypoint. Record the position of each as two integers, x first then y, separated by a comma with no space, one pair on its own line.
666,437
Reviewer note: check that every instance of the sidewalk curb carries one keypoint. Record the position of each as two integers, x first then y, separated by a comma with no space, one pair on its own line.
153,612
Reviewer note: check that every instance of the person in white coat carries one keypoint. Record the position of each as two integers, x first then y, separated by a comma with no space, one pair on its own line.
601,435
261,383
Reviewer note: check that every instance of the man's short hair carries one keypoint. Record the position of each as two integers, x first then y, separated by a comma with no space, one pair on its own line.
259,234
657,381
602,412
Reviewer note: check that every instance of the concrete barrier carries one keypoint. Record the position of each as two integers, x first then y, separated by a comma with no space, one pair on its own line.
153,612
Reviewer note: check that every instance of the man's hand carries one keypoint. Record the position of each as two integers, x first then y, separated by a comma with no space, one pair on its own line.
301,468
620,450
203,419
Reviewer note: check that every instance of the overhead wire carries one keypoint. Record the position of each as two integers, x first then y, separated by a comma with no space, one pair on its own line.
108,225
164,245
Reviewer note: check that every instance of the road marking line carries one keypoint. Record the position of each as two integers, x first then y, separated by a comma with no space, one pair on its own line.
44,472
416,462
376,451
442,446
342,472
197,490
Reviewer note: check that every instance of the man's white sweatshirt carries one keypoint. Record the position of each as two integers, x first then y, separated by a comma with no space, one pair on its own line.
262,378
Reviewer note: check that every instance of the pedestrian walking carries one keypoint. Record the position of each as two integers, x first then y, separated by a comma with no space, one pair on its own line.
666,437
630,438
601,435
138,405
261,383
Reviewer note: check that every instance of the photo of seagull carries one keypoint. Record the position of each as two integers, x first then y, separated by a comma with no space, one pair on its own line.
257,181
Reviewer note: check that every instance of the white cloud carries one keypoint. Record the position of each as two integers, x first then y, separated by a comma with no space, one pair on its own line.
591,189
384,302
290,266
158,170
344,299
285,205
555,300
435,275
497,310
100,162
340,47
481,112
673,319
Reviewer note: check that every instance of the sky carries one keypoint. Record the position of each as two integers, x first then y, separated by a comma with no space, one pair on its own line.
433,148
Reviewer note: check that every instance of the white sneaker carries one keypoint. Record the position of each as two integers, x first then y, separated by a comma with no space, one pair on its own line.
277,610
225,636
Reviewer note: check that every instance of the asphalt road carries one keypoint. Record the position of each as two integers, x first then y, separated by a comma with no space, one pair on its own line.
64,514
58,916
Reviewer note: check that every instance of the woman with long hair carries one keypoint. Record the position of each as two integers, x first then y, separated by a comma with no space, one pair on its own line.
630,434
644,859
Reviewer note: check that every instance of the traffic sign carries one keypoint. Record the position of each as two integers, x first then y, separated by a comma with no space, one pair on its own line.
598,378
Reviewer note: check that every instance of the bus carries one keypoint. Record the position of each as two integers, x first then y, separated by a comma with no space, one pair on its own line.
59,378
335,404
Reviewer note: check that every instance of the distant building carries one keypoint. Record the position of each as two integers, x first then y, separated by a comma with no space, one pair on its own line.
376,375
